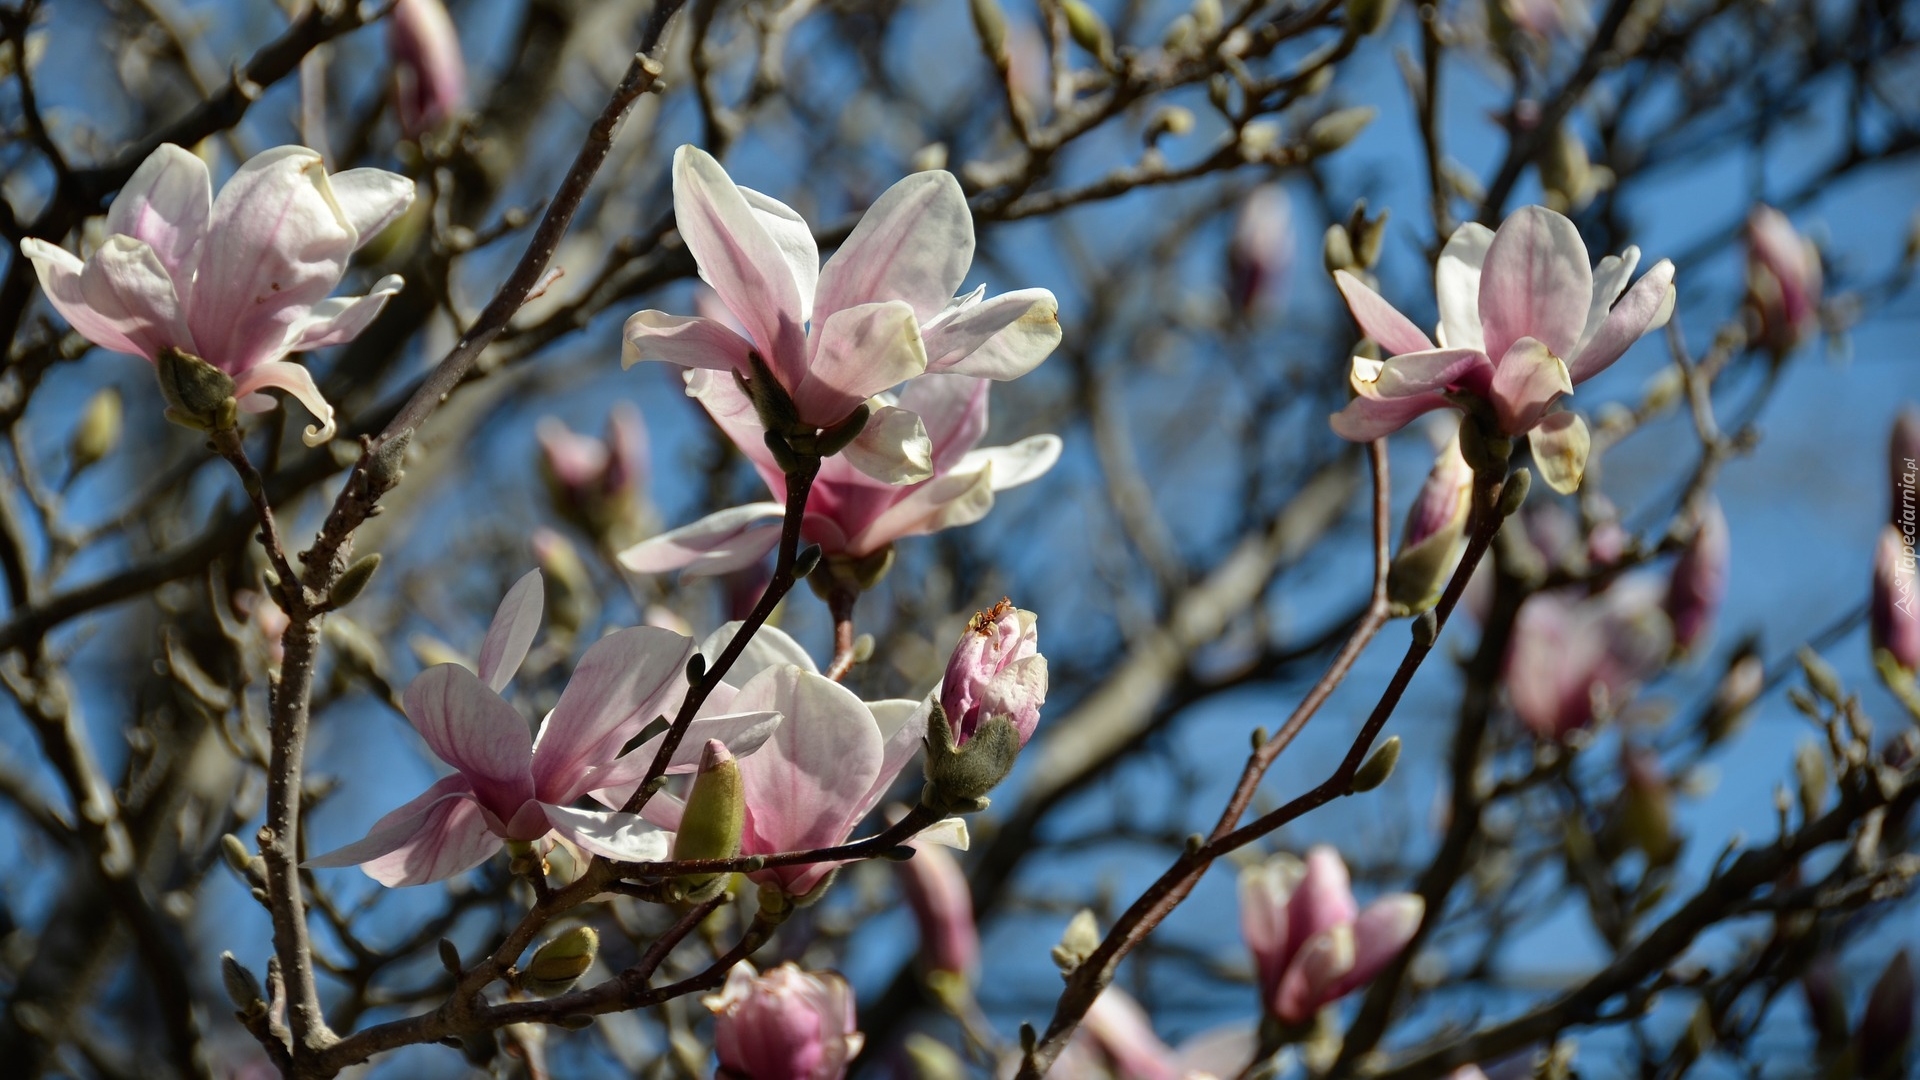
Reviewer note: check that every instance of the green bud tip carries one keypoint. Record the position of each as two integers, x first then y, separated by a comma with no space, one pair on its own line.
559,963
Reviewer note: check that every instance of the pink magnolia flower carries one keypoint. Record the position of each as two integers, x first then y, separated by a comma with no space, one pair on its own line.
1523,320
995,670
849,513
936,890
240,281
1310,941
511,785
1118,1034
1698,584
596,482
1260,254
1573,659
1892,620
429,70
788,1024
1783,280
880,312
820,773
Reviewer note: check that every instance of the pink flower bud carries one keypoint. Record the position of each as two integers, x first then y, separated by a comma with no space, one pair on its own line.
1894,623
1434,537
996,670
1310,941
1573,659
1783,280
1699,581
936,890
1260,255
1124,1034
785,1025
596,483
429,71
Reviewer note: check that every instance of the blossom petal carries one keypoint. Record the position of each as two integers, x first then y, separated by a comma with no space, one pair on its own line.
1366,419
370,200
945,502
295,379
742,733
1431,371
276,245
1456,282
716,544
395,827
690,341
1526,382
1023,462
432,838
739,258
1644,308
1380,933
807,787
619,685
340,319
1380,320
1610,279
1536,283
610,834
121,299
511,634
948,832
1560,444
794,237
1001,338
730,408
914,243
860,351
902,723
472,729
953,408
770,647
893,447
166,203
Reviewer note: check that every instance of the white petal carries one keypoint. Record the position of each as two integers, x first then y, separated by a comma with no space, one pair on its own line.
340,319
613,835
370,199
794,237
716,544
1457,283
1023,462
295,380
511,634
893,447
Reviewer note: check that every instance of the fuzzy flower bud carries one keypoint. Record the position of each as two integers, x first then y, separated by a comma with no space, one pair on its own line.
785,1025
1260,255
559,963
1783,280
1699,581
429,71
996,670
714,817
1435,533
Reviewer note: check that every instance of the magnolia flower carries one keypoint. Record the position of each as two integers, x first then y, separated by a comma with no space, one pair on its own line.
429,72
936,890
1523,320
785,1025
880,312
1118,1034
1260,254
818,775
1574,659
996,670
240,281
1893,623
596,483
1698,584
1310,941
1435,533
512,786
1783,280
850,514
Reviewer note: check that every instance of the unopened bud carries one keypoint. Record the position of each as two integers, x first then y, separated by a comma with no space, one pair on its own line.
839,436
1377,768
198,395
991,24
1338,128
1514,494
243,988
1077,942
1171,120
450,957
97,433
714,817
353,581
931,1059
559,963
1821,678
1810,769
1336,250
1088,29
384,465
1366,17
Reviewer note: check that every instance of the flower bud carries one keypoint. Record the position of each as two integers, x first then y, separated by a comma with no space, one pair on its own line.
1088,29
1886,1026
1077,941
97,433
714,817
991,24
1338,128
1377,768
1699,580
936,889
198,395
1260,256
570,592
429,71
1783,281
559,963
1336,250
243,988
1646,805
596,483
930,1059
785,1025
1892,619
1435,534
995,670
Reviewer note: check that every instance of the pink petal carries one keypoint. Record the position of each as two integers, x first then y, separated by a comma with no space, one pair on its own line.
733,411
1380,320
739,258
430,73
618,686
340,319
511,634
953,409
1432,371
396,827
1536,283
1324,898
860,351
1366,419
689,341
1379,935
794,237
121,299
166,204
1456,281
296,380
276,245
1322,962
370,199
613,835
1265,891
1526,383
902,724
893,448
1610,278
1002,338
913,244
716,544
447,836
1639,311
945,502
473,730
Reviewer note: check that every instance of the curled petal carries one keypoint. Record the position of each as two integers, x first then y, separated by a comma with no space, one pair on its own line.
1457,286
1560,445
913,244
948,832
298,381
953,408
1536,283
1010,466
689,341
166,204
370,200
610,834
1380,320
860,352
510,635
1433,371
1001,338
1610,279
340,319
893,447
1644,308
716,544
473,730
1527,381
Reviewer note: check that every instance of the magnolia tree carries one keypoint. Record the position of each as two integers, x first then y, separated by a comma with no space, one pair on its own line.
1585,748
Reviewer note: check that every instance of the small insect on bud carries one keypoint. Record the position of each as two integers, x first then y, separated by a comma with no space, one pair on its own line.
1377,768
97,433
559,963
